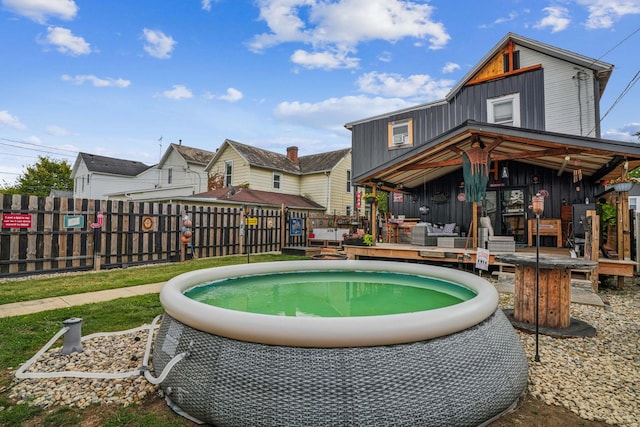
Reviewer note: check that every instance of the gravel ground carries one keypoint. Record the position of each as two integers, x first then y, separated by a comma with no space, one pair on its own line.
598,378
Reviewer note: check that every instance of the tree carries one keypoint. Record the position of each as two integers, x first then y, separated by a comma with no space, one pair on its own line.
43,176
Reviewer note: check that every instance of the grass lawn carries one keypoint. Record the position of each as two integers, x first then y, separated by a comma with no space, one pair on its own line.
23,336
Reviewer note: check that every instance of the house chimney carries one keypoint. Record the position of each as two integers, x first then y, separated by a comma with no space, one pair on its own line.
292,154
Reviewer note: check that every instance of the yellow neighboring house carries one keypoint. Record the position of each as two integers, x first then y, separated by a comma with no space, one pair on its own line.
324,178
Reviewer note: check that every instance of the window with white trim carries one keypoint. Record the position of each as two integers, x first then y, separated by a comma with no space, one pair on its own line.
504,110
277,180
400,134
348,180
169,175
228,172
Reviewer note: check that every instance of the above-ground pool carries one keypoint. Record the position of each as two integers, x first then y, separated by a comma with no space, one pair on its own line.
460,364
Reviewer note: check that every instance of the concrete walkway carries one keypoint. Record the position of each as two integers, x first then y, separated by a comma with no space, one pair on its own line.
28,307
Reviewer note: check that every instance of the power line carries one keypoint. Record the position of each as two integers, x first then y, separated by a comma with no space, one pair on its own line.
627,88
39,150
38,145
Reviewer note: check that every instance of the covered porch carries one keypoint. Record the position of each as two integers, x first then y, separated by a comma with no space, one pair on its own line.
520,163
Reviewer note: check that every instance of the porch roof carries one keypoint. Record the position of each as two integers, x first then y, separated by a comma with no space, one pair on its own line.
598,159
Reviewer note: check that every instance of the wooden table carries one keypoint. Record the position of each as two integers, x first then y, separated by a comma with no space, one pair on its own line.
554,287
548,227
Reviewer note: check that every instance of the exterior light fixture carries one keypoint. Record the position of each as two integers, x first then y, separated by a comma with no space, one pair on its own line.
505,172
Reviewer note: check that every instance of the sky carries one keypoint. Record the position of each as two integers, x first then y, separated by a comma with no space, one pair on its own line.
124,78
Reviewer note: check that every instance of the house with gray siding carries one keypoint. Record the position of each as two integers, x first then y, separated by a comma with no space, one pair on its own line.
534,110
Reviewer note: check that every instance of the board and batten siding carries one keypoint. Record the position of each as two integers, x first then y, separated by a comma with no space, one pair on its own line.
570,94
369,138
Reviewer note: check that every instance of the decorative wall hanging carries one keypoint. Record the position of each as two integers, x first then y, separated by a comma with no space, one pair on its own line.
475,168
439,198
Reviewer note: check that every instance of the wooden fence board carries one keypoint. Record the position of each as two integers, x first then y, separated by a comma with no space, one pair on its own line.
48,246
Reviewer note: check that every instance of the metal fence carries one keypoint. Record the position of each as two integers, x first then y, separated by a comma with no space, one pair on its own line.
51,234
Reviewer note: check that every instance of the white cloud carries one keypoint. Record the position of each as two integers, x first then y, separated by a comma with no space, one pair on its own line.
232,95
341,25
604,13
625,133
385,56
96,81
415,86
66,42
502,20
9,120
324,60
450,67
333,113
178,92
158,44
57,131
206,5
557,19
40,10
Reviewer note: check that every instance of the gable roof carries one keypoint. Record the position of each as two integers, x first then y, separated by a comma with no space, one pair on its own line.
314,163
258,197
603,69
194,155
262,158
111,165
189,154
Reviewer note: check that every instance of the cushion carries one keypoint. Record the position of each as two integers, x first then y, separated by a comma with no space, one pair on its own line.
449,228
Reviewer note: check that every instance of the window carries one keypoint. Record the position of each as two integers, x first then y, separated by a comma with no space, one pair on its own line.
400,134
228,171
277,178
504,110
82,182
169,175
349,210
348,180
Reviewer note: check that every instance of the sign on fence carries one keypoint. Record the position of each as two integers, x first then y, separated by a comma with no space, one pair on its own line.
16,221
295,226
74,221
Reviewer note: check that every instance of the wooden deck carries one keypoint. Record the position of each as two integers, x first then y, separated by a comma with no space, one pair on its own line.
440,255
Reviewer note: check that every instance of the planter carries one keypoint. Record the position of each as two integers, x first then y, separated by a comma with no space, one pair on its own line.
354,242
622,186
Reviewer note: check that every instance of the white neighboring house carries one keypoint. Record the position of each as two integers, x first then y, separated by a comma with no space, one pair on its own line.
180,173
94,176
324,178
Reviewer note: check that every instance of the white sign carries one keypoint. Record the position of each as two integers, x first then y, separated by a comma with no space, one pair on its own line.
482,259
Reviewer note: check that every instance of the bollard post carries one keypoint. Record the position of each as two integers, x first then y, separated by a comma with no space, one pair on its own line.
72,337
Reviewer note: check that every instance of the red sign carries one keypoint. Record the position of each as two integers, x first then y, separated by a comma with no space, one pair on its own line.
16,221
358,200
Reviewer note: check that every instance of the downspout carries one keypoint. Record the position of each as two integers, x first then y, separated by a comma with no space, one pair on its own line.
596,106
328,189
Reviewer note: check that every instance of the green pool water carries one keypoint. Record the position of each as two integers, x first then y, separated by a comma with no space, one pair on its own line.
330,293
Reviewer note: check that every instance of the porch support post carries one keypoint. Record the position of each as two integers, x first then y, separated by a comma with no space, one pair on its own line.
624,235
474,225
374,214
